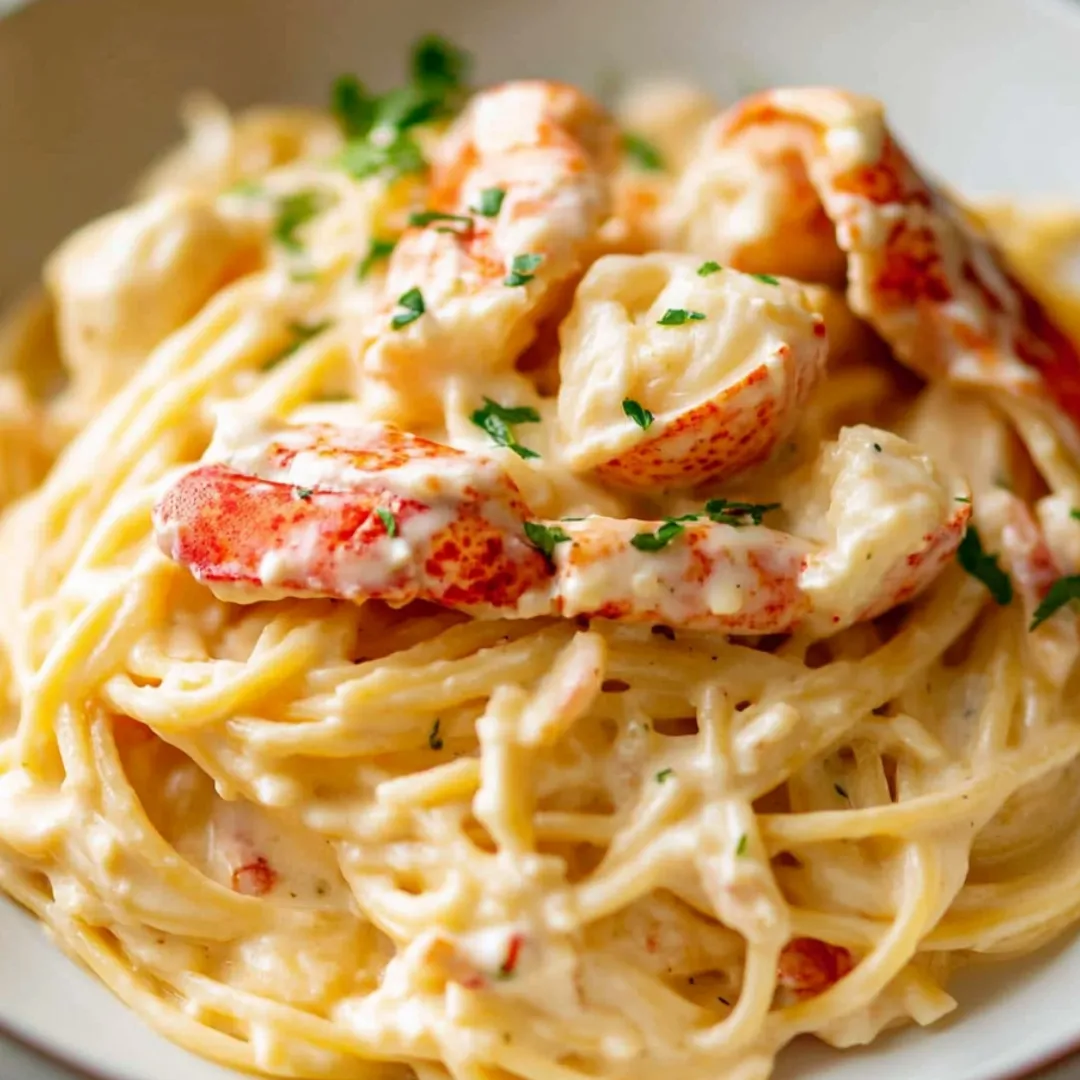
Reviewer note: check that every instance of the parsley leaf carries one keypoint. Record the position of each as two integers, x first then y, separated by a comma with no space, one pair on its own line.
1057,596
388,520
397,157
733,512
663,536
434,739
489,202
438,65
962,498
301,334
677,316
496,419
303,493
413,303
767,278
461,221
638,413
740,848
379,250
663,774
522,269
707,268
1075,514
971,556
353,107
294,211
545,537
642,152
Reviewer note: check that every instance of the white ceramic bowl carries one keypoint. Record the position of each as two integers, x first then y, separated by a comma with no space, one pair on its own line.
985,92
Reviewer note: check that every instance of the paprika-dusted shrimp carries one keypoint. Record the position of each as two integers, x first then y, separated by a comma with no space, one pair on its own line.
676,371
918,270
518,191
373,513
808,966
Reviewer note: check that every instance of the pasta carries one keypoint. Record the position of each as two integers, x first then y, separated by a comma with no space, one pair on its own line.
484,597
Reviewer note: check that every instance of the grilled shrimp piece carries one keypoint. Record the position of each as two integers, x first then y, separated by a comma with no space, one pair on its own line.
524,171
373,513
722,387
919,270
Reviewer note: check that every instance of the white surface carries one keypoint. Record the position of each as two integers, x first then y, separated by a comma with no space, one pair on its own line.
987,92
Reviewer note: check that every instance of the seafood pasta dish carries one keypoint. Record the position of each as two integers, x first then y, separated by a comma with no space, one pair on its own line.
499,587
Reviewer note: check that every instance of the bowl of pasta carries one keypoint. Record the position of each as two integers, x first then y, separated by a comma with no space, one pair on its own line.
555,554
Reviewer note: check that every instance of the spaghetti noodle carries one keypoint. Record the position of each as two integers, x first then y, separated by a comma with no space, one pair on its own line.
691,675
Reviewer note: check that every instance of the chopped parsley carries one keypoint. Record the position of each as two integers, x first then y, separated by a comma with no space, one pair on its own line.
979,564
460,222
733,512
522,270
638,413
1057,596
842,792
388,520
663,536
707,268
642,152
962,498
497,419
301,334
378,126
740,848
1075,514
294,211
377,252
413,303
677,316
434,739
352,106
545,537
663,774
489,202
303,493
767,278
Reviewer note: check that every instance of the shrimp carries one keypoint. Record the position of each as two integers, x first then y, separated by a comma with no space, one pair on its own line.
373,513
649,404
518,192
919,270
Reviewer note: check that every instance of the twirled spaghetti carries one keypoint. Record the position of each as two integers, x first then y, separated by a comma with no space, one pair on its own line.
692,737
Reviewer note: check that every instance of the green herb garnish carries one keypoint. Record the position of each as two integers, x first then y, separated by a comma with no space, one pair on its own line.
642,152
377,252
707,268
413,303
678,316
767,278
353,107
434,739
248,189
301,334
545,537
399,156
522,269
497,419
1058,595
294,211
1075,514
733,512
638,413
489,202
740,848
460,221
663,774
303,493
663,536
388,520
962,498
979,564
